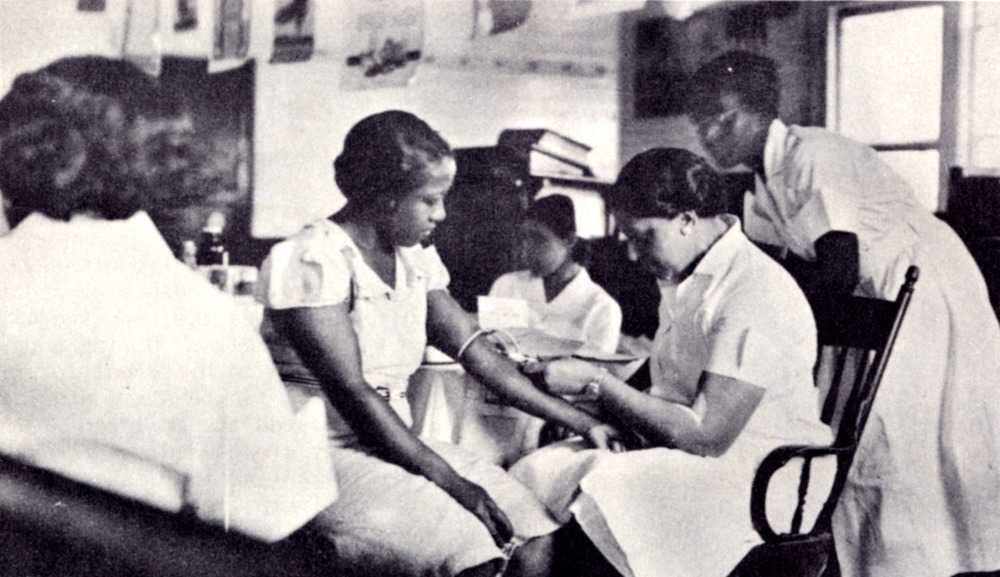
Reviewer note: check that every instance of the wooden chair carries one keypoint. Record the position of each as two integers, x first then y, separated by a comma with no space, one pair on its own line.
863,332
51,526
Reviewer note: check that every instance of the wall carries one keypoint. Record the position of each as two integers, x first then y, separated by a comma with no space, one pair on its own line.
302,115
794,39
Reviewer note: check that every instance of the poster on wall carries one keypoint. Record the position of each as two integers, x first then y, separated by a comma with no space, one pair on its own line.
293,30
91,5
497,16
384,45
231,36
141,39
186,15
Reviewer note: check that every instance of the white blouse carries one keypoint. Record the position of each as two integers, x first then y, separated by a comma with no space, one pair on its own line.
710,322
582,311
321,266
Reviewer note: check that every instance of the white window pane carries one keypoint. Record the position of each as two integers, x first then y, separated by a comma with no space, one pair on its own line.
921,169
890,75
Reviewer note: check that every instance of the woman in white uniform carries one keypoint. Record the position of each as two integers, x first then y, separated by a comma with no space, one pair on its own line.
731,373
923,497
354,299
119,366
558,290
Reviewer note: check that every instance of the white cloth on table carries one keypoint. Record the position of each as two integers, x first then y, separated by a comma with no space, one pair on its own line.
122,368
582,311
658,511
321,266
923,496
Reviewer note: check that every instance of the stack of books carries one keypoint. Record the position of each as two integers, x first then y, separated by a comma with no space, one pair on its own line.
548,153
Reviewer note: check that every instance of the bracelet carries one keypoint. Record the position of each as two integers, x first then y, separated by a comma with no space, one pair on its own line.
469,341
592,390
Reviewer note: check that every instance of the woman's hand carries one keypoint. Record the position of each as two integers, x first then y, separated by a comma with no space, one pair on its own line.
569,376
478,502
605,436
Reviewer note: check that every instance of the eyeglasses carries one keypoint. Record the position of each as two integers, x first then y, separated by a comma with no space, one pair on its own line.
710,123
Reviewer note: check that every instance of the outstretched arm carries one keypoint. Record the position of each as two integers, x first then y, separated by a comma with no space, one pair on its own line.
729,403
449,327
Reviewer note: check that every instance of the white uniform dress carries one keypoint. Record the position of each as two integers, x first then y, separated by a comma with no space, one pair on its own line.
657,511
386,514
582,311
923,497
122,368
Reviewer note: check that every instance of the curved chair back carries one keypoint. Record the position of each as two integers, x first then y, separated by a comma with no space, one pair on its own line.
862,331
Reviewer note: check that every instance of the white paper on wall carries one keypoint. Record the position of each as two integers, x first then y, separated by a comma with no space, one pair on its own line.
385,44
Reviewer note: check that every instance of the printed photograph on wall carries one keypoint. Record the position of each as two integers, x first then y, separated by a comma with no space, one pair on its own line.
293,31
385,44
668,50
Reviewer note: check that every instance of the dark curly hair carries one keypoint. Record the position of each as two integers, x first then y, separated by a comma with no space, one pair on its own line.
664,182
752,77
66,138
386,156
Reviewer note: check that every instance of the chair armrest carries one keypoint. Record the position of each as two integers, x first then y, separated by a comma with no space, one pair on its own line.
773,462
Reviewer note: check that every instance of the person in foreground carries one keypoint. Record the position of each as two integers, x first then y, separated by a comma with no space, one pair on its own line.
558,289
731,373
352,301
923,496
119,366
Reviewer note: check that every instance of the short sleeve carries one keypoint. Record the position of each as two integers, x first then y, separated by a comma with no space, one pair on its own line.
437,274
825,180
604,325
745,352
304,272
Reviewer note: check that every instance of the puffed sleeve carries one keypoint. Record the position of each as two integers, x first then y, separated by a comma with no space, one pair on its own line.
305,272
437,274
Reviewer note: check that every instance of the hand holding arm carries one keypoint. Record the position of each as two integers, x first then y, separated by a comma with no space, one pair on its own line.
449,327
729,405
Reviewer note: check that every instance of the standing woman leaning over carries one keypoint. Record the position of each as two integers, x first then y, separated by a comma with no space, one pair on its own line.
356,298
923,496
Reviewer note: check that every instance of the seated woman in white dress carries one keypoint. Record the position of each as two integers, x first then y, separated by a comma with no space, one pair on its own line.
353,300
731,373
558,290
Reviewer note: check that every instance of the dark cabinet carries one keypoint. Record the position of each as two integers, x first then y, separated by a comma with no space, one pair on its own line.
478,240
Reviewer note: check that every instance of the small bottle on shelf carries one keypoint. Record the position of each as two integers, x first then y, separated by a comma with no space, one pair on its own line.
211,250
189,253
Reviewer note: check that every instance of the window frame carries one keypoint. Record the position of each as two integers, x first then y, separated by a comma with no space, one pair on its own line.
946,143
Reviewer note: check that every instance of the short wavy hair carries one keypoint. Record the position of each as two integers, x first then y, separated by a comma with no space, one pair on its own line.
66,138
386,156
752,77
664,182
